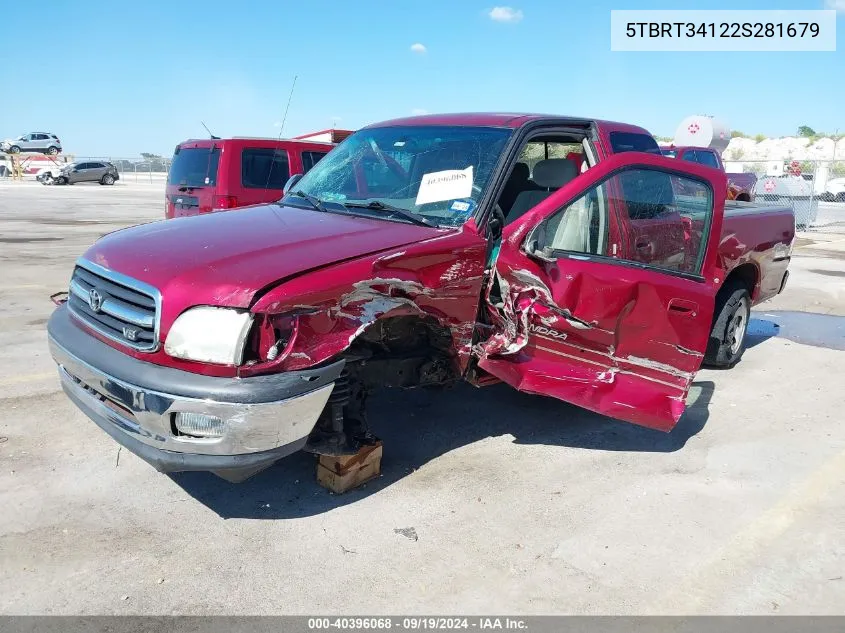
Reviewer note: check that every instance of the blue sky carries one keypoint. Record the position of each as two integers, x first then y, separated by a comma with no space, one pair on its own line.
120,78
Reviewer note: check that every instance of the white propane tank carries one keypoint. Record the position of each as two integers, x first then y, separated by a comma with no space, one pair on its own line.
703,131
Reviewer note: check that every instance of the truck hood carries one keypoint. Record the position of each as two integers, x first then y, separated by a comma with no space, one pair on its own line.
225,258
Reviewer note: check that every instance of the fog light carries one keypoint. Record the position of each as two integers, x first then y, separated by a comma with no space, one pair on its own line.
198,425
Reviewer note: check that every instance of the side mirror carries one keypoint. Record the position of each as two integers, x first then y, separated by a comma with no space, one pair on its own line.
495,224
291,182
535,244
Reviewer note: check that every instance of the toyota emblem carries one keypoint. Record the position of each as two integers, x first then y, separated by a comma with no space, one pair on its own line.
95,299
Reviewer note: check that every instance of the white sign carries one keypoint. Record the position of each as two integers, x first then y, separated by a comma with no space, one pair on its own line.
445,185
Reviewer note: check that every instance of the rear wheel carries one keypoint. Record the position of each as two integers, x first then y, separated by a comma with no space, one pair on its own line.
108,179
730,326
52,151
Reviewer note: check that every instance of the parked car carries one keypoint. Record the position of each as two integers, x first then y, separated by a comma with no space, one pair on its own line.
82,171
42,142
215,174
419,252
741,186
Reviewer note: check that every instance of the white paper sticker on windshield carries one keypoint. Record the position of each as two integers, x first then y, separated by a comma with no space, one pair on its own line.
445,185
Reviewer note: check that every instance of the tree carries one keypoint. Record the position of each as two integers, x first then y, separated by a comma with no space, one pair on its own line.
806,130
760,138
737,134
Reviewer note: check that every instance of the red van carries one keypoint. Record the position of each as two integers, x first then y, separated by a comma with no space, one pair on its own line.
212,174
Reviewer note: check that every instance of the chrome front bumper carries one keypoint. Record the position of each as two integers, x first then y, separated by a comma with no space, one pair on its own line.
265,418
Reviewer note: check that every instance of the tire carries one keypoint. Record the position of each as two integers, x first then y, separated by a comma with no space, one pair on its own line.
840,197
52,151
108,179
730,326
61,180
14,149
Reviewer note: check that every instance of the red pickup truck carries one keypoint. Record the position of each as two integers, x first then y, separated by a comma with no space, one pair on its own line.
563,256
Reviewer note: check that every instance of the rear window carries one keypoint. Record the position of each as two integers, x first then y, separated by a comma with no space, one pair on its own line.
264,168
194,166
309,159
632,142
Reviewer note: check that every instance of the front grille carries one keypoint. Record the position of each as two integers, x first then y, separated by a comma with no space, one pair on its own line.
116,306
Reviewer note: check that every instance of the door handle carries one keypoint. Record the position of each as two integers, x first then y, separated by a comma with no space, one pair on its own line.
683,307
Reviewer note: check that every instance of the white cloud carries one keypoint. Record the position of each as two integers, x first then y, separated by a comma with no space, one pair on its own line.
418,48
836,5
419,111
509,14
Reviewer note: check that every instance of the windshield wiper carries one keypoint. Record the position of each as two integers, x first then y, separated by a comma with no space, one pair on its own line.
375,205
315,202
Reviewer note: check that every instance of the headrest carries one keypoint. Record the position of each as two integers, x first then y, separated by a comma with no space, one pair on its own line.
520,172
554,173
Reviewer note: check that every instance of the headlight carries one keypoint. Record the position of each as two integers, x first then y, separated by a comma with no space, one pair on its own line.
209,335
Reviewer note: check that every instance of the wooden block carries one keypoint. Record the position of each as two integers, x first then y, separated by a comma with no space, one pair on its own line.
342,473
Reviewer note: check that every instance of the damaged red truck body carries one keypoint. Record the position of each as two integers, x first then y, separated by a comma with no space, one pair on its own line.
565,257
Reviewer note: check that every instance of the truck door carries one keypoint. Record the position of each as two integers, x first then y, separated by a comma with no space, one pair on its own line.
582,315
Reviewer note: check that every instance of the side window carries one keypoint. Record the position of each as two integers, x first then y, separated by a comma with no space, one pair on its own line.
535,151
309,159
264,168
82,166
581,226
664,219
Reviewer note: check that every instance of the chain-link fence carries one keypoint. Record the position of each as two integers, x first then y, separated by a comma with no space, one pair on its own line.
815,189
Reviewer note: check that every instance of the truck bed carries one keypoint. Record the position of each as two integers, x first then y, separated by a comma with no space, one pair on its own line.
759,235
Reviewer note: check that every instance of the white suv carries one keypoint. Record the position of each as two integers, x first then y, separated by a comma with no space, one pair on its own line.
42,142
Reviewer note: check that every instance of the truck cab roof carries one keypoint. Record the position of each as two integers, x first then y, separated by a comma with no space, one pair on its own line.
501,119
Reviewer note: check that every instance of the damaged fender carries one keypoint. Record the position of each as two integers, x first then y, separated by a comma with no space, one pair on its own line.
439,278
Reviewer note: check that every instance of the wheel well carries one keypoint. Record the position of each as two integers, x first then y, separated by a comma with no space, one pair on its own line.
746,274
743,197
403,351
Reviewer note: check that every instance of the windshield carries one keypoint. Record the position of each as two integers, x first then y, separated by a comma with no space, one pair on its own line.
437,172
194,166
